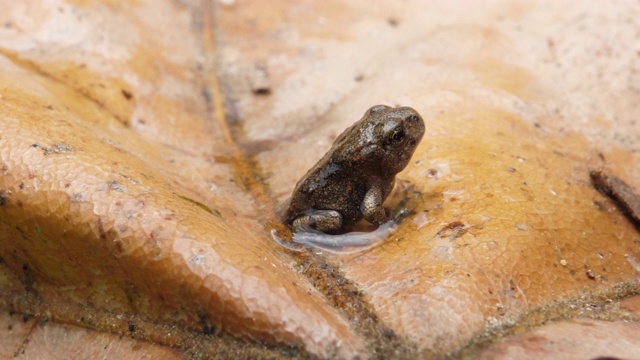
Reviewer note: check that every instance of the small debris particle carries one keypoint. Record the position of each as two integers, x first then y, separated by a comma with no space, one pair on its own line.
211,211
563,262
453,230
550,43
114,185
522,227
4,194
393,22
358,78
511,169
103,235
127,94
598,205
56,148
591,274
260,84
456,225
388,333
132,327
208,330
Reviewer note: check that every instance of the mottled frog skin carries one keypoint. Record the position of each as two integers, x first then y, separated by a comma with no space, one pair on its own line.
357,174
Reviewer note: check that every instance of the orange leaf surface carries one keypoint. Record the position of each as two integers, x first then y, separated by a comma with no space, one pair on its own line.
145,147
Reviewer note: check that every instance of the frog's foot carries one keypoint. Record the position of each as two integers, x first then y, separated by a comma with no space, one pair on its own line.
326,221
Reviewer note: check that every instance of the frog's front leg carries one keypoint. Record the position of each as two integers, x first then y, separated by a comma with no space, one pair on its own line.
371,207
326,221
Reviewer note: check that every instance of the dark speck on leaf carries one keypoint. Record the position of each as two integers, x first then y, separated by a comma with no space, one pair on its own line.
201,205
388,333
207,95
127,94
207,330
260,84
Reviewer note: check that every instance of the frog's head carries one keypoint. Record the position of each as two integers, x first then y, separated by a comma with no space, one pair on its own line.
398,133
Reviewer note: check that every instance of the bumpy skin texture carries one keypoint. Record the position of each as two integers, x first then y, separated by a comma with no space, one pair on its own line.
357,174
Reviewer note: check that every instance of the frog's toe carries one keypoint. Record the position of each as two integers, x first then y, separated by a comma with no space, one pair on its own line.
327,221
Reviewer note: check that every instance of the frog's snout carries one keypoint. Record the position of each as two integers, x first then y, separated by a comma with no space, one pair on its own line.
414,123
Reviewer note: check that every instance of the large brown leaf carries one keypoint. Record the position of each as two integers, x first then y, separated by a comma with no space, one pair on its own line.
145,146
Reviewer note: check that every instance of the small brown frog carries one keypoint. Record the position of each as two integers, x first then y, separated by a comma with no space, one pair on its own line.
357,174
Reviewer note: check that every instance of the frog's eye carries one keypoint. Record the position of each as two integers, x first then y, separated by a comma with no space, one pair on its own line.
397,135
413,118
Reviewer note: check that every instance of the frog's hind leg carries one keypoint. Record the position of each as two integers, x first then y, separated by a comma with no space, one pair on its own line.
326,221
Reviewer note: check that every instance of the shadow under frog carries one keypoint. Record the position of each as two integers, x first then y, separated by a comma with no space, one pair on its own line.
353,179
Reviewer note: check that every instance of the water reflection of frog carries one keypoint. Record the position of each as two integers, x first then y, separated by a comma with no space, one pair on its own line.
357,174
